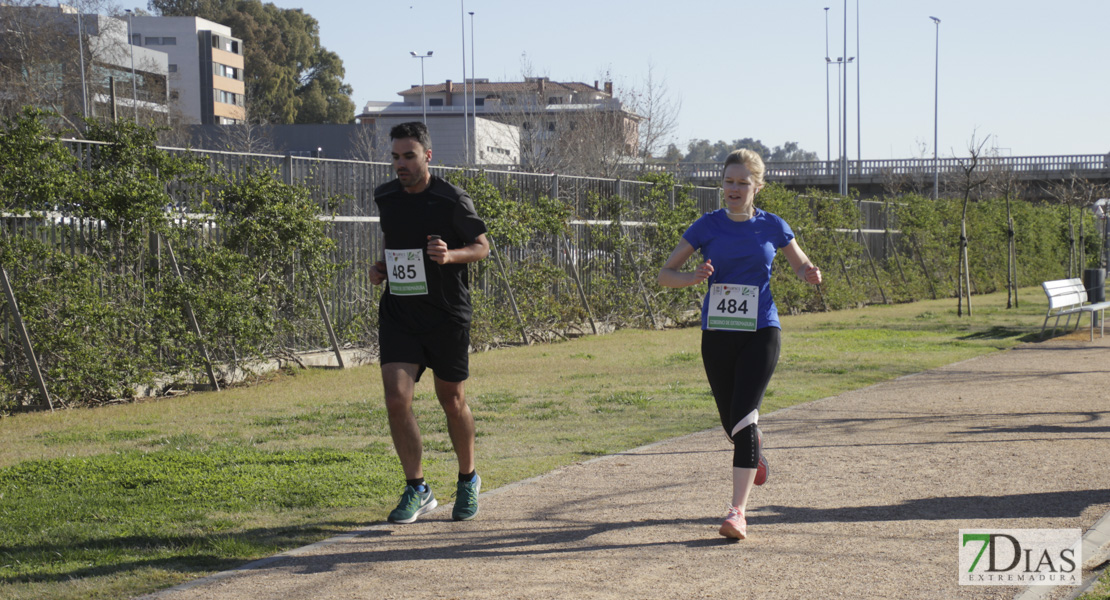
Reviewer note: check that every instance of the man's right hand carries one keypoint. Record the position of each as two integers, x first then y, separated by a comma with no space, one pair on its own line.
378,273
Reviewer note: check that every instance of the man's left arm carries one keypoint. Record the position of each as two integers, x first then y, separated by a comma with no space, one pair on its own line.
472,252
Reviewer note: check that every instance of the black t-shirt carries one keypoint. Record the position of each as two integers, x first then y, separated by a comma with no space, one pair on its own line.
407,220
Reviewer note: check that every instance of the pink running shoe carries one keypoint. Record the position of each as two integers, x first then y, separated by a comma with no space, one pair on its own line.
735,526
762,470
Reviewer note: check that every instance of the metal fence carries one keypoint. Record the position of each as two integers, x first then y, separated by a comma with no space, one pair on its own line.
345,189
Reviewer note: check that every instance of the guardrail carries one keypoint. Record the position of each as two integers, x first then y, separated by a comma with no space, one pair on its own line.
902,166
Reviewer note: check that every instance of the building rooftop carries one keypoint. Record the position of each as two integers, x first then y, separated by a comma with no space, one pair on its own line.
534,84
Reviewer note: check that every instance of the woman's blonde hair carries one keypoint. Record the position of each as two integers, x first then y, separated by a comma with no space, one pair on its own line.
749,159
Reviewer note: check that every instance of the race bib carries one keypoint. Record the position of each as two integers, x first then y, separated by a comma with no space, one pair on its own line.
406,272
733,307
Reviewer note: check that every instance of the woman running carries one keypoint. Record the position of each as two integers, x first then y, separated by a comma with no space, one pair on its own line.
739,321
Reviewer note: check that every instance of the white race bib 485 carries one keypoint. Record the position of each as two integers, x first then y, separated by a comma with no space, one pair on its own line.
733,307
406,272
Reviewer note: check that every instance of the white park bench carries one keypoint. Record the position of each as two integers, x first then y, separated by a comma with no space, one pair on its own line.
1067,297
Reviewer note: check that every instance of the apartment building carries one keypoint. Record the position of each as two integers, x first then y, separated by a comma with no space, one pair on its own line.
205,64
45,63
548,116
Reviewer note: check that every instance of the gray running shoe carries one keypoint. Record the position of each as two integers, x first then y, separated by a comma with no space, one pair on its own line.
413,504
466,499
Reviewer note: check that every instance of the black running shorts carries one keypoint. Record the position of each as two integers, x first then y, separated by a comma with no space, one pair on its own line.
445,350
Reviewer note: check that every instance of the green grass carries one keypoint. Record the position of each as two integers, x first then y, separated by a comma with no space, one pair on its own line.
1101,588
122,500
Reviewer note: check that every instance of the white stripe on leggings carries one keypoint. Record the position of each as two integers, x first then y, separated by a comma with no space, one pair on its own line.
750,418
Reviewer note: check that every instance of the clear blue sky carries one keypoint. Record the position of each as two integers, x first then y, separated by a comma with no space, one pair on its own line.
1033,75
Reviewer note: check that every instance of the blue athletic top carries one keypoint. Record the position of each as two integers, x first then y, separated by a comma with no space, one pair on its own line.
741,253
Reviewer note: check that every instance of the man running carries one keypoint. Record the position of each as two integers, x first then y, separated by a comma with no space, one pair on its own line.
431,232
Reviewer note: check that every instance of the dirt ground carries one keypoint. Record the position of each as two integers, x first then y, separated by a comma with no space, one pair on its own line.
867,493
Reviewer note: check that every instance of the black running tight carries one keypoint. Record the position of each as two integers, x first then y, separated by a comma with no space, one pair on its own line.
739,364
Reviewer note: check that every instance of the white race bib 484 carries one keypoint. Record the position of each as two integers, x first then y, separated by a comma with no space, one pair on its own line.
733,307
406,272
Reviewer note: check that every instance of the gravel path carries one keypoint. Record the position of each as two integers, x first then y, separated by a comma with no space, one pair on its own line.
867,493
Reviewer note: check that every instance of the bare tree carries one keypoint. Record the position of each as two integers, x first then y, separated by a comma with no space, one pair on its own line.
1003,180
40,60
538,130
659,110
970,182
249,136
70,59
908,178
598,141
1075,193
567,128
369,144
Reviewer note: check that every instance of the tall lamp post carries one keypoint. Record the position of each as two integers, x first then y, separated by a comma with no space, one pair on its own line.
828,127
936,99
423,100
842,122
844,108
473,91
466,124
131,44
859,136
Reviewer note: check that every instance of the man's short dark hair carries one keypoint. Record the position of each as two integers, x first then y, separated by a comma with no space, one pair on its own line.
413,129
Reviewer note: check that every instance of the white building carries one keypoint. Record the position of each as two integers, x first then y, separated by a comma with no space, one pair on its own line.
51,77
491,143
529,113
205,66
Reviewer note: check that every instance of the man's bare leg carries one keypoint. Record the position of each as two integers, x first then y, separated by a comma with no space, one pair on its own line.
399,380
460,421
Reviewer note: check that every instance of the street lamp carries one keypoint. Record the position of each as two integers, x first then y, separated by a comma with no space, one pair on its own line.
423,101
842,122
859,143
131,44
473,91
466,125
936,99
844,107
828,127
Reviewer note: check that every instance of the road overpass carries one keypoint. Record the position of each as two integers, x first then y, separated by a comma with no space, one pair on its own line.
874,177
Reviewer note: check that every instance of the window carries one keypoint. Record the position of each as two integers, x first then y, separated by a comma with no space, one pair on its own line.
153,41
551,126
173,68
479,102
228,97
136,40
554,100
225,44
169,41
435,101
226,71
